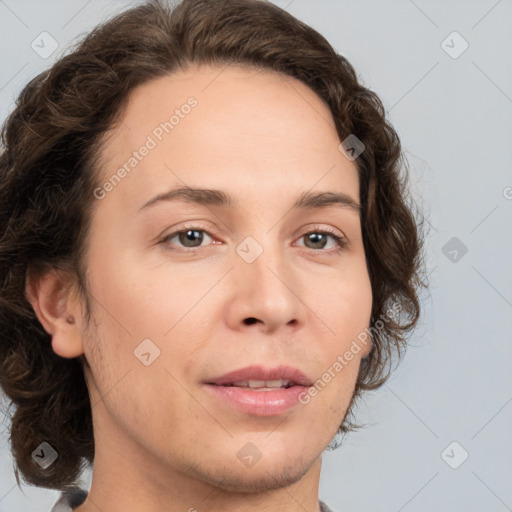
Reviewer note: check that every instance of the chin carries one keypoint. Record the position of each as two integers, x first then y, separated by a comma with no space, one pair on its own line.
254,484
263,476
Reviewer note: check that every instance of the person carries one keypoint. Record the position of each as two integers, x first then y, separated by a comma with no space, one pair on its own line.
208,254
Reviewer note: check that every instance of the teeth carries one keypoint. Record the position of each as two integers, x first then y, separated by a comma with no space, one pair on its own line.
279,383
256,383
262,384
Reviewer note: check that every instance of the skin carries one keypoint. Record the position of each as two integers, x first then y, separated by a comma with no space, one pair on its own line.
162,442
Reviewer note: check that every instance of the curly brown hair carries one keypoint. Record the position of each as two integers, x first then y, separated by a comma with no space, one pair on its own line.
49,169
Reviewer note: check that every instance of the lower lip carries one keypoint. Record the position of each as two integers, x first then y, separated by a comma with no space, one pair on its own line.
259,403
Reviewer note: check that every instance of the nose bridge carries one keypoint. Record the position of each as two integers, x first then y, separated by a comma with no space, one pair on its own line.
260,260
266,285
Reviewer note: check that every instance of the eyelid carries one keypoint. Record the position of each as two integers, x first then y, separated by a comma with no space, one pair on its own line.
320,227
190,225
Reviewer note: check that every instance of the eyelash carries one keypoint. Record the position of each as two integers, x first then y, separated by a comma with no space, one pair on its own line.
341,241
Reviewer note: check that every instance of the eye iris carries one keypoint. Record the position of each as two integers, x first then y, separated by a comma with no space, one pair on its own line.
191,235
317,237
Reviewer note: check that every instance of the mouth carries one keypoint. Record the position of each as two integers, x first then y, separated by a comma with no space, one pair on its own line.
260,391
258,377
260,385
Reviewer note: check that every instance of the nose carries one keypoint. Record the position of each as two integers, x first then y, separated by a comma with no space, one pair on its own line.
265,295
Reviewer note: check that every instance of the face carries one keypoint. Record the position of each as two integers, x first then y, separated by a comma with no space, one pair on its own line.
192,286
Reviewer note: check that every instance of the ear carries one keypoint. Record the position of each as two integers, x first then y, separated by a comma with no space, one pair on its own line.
367,347
367,344
58,309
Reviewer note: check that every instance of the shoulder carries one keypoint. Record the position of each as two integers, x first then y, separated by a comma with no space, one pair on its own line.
69,500
324,507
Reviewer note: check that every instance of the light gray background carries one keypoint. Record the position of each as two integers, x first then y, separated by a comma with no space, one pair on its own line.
454,116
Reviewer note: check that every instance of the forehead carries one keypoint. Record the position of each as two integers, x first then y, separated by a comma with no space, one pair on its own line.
238,125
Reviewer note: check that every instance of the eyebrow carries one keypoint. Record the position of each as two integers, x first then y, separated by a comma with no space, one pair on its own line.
211,197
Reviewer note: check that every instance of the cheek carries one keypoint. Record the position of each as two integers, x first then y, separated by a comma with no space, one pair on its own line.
346,310
145,301
348,302
133,377
147,315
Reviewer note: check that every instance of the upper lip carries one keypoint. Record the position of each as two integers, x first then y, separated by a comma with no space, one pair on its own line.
257,372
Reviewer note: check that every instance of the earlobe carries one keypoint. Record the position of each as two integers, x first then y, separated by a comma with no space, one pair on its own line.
368,345
57,309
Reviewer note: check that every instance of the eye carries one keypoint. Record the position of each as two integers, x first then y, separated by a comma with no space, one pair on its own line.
188,238
191,237
317,241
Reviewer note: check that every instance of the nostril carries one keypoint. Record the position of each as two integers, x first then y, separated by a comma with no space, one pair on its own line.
250,321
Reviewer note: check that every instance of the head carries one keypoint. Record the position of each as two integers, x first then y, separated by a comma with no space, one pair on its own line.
118,305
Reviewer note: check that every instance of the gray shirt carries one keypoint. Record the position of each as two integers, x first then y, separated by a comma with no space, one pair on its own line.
69,500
